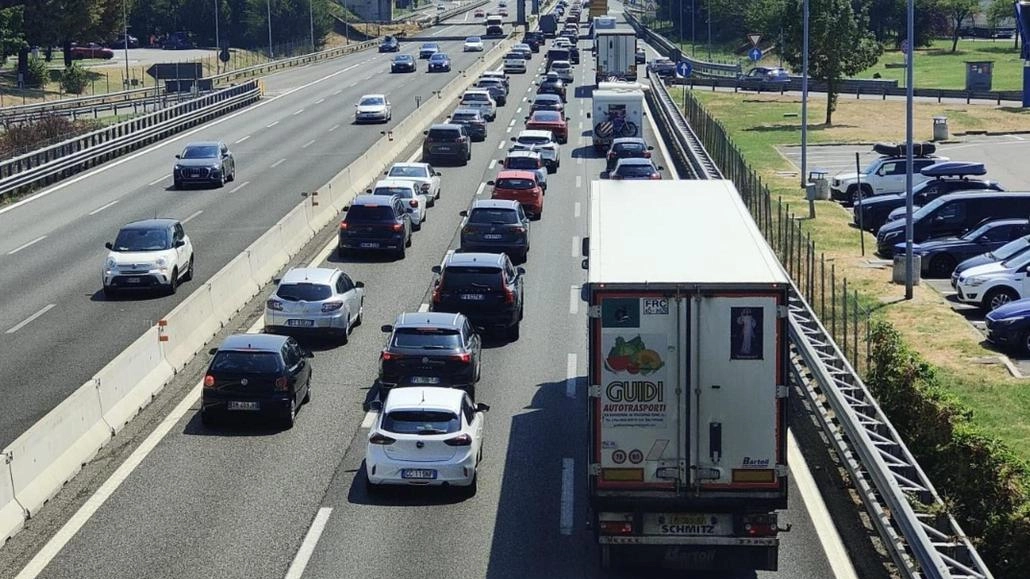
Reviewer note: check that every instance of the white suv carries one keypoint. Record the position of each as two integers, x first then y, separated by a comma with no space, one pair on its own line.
885,174
148,254
993,285
541,142
480,99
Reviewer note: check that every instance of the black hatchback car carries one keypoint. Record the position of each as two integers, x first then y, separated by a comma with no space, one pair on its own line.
375,223
447,141
389,44
256,374
485,287
627,148
472,120
872,212
403,63
495,225
430,349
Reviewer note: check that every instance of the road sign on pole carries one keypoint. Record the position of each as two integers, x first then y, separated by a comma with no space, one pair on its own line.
904,46
754,54
684,69
754,38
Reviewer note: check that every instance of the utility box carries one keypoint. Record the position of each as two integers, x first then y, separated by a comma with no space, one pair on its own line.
979,74
940,128
898,276
818,188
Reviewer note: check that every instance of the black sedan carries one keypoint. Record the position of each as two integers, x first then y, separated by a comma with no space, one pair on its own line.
940,256
552,85
872,212
256,374
430,349
403,63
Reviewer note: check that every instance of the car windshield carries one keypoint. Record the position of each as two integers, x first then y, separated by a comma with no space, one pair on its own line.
408,171
549,99
245,362
1012,248
432,338
429,47
1018,260
929,208
369,213
403,58
421,422
628,147
471,277
304,292
494,216
371,101
546,117
142,240
635,171
200,152
402,192
872,166
522,163
512,183
438,57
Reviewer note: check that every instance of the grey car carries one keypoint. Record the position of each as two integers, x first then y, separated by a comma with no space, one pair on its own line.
315,300
204,163
496,225
473,121
498,90
528,161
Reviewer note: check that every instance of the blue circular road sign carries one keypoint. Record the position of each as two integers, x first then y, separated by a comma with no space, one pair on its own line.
684,68
755,54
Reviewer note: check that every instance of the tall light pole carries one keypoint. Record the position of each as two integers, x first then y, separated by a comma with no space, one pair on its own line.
218,43
125,37
804,94
693,29
709,30
268,4
311,22
908,148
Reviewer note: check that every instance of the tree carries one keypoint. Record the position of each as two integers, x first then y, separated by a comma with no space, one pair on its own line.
958,11
840,44
12,39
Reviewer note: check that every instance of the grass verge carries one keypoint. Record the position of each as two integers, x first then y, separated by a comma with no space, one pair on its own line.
937,67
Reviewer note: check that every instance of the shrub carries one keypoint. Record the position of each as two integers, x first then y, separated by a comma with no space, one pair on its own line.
37,72
21,138
73,79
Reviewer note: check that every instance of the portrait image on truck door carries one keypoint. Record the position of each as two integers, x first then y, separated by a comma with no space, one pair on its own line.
746,334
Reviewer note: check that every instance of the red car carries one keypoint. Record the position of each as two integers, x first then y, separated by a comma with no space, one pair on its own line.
480,13
553,121
520,186
91,50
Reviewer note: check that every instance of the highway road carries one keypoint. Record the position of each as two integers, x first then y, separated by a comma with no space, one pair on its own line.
245,501
56,328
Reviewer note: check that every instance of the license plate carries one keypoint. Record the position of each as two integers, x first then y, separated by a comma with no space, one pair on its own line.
418,473
369,245
132,280
443,148
692,524
473,297
492,236
237,405
300,323
425,379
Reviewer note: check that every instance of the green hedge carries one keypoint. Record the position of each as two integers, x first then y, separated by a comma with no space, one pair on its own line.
973,472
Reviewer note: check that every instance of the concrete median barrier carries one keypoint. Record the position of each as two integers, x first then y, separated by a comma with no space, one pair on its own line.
266,255
232,287
294,230
53,450
129,382
12,516
189,326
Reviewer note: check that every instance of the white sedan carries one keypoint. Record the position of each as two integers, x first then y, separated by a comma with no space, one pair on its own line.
473,44
426,436
514,64
373,107
423,174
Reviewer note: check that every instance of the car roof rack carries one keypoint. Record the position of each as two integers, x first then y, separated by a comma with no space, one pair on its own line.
923,149
954,169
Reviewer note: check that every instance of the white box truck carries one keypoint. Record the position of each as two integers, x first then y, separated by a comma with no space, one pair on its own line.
615,52
687,373
617,110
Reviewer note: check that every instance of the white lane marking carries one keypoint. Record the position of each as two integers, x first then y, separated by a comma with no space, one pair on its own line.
240,186
158,180
308,144
370,419
512,123
577,209
581,125
518,110
23,246
479,190
423,308
824,527
574,300
297,112
579,181
279,162
568,466
171,140
30,319
570,376
576,245
102,207
337,92
334,127
500,145
319,101
507,130
272,124
238,141
493,163
192,216
579,160
307,547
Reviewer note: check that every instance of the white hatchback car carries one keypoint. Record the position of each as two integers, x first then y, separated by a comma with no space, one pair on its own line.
514,63
426,436
315,300
411,194
473,44
480,99
148,254
423,174
373,108
993,285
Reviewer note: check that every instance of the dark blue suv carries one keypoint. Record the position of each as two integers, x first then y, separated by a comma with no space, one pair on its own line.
375,223
496,225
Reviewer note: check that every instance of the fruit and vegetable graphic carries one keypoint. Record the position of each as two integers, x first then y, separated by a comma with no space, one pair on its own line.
632,356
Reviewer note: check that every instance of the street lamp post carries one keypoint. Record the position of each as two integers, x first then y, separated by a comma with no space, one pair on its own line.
311,22
804,95
125,37
908,148
268,5
218,42
693,29
709,30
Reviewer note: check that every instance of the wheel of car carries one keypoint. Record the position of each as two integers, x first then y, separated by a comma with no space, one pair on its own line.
189,271
998,297
291,414
173,284
470,491
416,226
361,312
941,266
407,242
232,177
176,184
345,336
307,391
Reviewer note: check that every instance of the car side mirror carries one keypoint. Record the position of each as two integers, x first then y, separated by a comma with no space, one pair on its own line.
649,148
584,248
480,407
513,139
435,269
585,264
346,207
178,156
359,284
660,168
490,183
386,328
109,245
212,351
179,243
588,115
368,190
521,270
355,106
463,213
425,132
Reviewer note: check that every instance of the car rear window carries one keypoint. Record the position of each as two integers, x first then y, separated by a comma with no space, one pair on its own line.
369,213
533,140
444,135
546,117
515,183
402,192
494,216
628,148
421,422
522,163
635,171
471,277
307,292
408,172
475,96
245,362
464,116
431,338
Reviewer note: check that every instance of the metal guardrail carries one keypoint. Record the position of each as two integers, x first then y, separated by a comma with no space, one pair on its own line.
923,538
685,142
36,109
327,54
135,106
77,154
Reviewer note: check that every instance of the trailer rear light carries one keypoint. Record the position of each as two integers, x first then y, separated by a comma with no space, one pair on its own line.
464,358
763,525
753,475
398,226
616,528
343,226
380,439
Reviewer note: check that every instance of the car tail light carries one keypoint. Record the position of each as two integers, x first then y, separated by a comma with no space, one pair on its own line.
655,176
380,439
763,525
413,202
509,296
343,226
616,528
464,358
460,440
209,381
274,305
390,356
519,229
398,226
647,154
331,306
281,384
436,294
